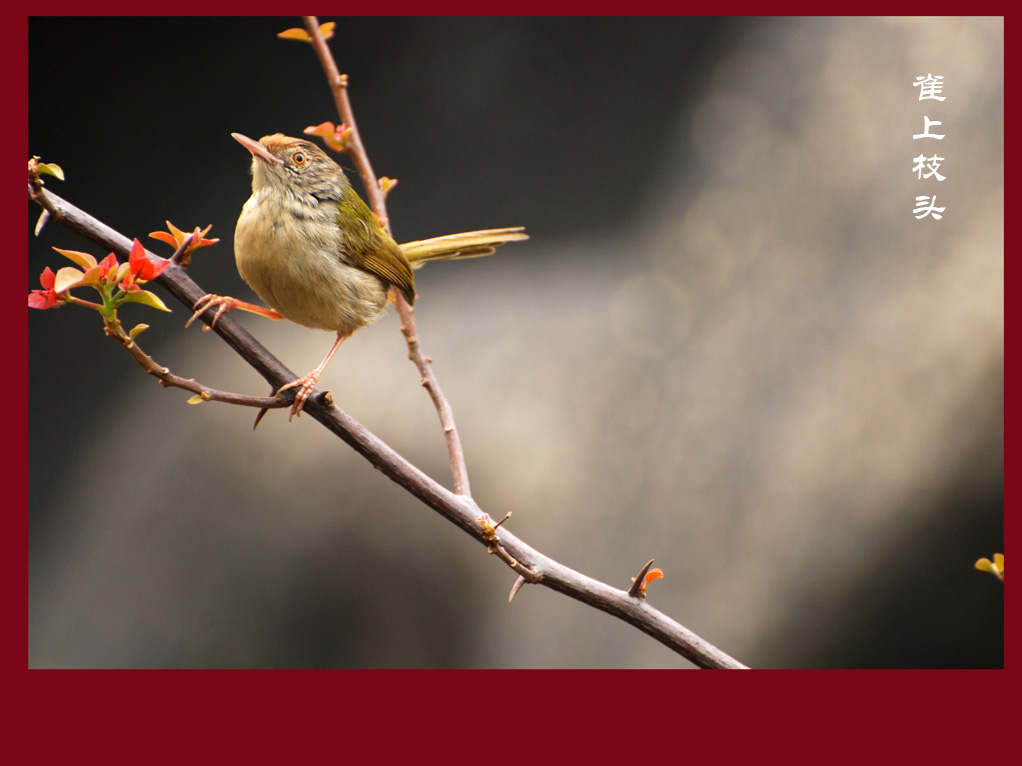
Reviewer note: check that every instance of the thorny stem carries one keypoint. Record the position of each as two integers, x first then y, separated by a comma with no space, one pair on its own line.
461,510
377,200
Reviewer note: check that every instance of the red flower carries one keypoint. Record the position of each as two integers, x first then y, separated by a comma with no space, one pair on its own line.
176,238
47,297
140,269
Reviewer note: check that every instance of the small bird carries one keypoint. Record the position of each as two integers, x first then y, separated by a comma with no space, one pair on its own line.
317,255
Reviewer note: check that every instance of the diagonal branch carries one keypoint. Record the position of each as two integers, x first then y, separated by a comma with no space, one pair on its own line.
377,200
459,509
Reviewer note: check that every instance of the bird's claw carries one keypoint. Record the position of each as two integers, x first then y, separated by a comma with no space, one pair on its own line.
222,302
305,387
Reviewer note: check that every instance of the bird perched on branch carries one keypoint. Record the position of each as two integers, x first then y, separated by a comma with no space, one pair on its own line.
317,255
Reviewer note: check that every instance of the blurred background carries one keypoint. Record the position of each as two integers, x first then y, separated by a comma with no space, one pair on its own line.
729,346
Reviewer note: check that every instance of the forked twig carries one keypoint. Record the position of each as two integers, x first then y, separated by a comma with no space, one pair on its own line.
377,200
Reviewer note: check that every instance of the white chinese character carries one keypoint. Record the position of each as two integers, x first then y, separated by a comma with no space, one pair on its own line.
926,129
931,164
929,87
927,206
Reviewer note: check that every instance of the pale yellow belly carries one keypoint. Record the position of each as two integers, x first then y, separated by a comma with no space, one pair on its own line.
307,284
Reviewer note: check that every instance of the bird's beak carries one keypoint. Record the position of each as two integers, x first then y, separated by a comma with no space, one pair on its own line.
257,149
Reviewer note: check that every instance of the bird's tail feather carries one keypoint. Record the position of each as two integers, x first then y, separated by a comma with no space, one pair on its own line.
469,244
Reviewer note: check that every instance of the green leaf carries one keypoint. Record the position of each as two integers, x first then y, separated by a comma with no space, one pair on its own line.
137,330
197,399
51,169
147,298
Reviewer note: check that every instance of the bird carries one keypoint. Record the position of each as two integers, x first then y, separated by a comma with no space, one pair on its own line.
315,253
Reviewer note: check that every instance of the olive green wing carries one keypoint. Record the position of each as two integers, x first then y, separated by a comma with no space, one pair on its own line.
371,249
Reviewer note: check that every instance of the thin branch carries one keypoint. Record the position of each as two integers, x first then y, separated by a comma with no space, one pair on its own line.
377,200
460,510
170,380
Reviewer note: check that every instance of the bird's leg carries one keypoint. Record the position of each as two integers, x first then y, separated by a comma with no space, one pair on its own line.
225,304
307,384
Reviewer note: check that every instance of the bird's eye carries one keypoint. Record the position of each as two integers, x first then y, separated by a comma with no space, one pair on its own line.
298,158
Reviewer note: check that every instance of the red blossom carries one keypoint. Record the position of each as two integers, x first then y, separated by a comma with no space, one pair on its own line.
108,263
141,269
47,297
176,238
102,277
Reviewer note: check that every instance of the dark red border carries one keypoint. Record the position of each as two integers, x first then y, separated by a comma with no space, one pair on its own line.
842,716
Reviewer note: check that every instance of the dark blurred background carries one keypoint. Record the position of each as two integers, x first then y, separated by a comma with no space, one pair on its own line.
729,345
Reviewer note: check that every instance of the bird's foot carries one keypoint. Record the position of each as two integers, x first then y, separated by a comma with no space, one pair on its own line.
222,302
306,386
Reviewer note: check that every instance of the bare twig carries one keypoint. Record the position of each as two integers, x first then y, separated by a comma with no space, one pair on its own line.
168,379
459,509
377,200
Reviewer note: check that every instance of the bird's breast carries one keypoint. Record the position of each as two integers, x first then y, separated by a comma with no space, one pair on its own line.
294,264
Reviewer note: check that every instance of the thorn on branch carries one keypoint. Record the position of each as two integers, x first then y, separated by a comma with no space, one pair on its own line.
182,257
493,546
645,577
259,417
516,587
44,218
184,244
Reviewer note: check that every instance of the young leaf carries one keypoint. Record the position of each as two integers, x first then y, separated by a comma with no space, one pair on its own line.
84,260
67,278
327,30
137,330
51,169
147,298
